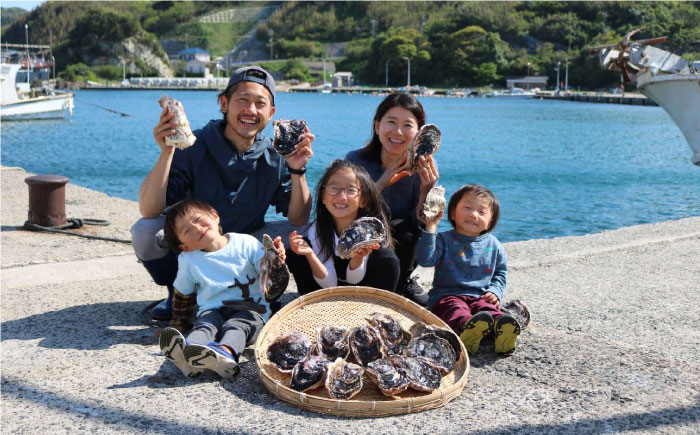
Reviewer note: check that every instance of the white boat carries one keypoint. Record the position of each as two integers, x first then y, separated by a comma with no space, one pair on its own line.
20,101
668,79
512,93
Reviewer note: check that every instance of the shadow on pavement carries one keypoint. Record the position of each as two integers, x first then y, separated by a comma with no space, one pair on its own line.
83,327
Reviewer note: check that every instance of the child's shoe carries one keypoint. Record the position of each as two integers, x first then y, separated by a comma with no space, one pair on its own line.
479,326
506,331
172,344
213,357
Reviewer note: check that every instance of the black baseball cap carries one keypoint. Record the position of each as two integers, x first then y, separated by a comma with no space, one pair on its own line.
254,74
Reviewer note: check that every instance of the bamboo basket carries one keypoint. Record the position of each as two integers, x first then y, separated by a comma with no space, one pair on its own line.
347,307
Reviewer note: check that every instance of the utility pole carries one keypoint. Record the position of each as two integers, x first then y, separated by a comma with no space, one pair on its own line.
408,80
558,64
373,22
422,22
566,80
271,33
29,63
386,72
324,72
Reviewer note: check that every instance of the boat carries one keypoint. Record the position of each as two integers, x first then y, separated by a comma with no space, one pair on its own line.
668,79
512,93
20,100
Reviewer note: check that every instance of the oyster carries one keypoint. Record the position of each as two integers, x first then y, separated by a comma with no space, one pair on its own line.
309,373
393,337
391,380
183,137
435,349
362,232
288,349
274,274
422,376
287,134
424,143
434,203
366,345
519,311
344,379
332,341
420,328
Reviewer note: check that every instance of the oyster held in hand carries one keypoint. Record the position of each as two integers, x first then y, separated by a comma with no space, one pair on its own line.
274,273
287,134
361,233
344,379
288,349
424,143
183,137
434,204
309,373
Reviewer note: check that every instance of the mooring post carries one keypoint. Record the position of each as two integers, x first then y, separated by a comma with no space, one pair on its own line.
47,200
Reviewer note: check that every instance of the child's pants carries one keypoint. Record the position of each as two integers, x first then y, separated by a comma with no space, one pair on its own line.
228,326
456,310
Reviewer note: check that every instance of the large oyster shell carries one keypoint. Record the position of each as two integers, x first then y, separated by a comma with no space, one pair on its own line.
274,273
362,232
419,328
309,373
434,203
288,349
390,379
366,345
422,375
393,337
183,137
332,341
287,135
344,379
424,143
519,311
437,350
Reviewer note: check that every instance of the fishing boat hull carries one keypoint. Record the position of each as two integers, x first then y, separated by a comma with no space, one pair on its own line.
679,95
53,106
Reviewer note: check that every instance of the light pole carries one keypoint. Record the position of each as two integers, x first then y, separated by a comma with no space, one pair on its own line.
422,22
386,72
528,69
373,22
123,62
566,80
271,33
408,80
558,64
29,63
324,72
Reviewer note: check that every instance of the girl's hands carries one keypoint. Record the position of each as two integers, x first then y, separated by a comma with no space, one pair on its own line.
165,127
393,173
491,298
431,225
279,247
361,253
298,245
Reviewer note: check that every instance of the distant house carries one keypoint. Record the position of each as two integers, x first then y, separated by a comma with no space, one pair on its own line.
194,53
195,61
343,79
527,82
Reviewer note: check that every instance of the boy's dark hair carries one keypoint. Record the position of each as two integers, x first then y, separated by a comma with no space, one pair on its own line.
177,210
374,206
373,149
478,190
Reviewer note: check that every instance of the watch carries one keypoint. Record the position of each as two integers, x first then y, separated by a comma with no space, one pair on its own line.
300,171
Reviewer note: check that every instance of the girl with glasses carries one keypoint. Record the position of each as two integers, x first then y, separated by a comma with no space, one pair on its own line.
345,193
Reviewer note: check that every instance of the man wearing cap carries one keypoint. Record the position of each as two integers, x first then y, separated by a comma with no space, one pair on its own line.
231,166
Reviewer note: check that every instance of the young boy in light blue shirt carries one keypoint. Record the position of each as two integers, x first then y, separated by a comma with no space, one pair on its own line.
470,270
221,273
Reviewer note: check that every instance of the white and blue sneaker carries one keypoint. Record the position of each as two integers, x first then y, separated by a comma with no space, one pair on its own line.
213,357
172,344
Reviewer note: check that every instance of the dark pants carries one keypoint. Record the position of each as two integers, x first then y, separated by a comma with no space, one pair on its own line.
457,310
382,271
227,326
406,236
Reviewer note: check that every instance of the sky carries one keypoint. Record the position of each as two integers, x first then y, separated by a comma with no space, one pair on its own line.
24,4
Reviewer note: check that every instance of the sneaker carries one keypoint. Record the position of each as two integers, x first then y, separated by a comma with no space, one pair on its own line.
415,292
477,327
164,309
506,331
213,357
172,343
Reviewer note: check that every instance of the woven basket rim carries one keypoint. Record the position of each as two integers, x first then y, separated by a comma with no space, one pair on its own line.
351,407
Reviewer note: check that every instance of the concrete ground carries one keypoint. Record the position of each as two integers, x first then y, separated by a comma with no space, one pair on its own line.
614,344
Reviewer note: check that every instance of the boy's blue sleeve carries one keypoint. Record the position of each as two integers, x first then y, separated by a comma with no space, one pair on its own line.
500,270
428,250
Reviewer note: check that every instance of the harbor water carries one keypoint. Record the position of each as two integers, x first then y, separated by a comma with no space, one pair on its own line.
558,168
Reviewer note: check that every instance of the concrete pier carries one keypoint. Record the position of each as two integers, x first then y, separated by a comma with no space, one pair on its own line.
614,343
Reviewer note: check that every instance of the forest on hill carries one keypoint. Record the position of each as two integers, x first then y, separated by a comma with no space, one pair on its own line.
449,44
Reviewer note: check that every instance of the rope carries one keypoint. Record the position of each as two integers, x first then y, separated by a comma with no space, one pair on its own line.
104,108
75,223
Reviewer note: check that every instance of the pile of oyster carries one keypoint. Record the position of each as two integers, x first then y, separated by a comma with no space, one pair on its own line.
394,359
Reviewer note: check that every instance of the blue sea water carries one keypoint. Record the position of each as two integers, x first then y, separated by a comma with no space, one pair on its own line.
558,168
